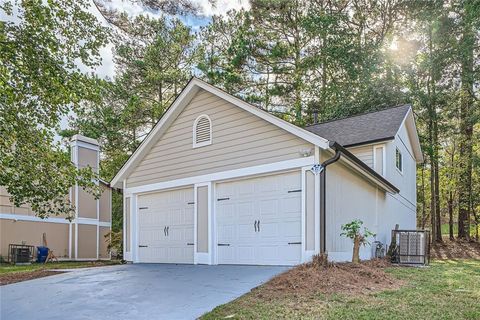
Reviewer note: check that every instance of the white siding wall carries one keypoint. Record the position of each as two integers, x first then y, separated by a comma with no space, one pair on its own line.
239,139
364,153
349,197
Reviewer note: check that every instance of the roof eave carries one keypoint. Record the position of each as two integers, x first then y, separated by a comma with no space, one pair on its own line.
365,169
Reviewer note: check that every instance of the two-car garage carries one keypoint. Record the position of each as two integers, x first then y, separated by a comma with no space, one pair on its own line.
257,221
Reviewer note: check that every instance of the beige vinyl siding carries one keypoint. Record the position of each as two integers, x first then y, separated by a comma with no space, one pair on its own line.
87,241
31,232
364,153
6,206
202,219
239,139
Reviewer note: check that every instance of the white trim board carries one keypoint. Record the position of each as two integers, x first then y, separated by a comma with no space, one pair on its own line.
224,175
182,101
20,217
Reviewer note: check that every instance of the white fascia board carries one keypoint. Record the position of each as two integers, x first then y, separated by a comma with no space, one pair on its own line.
409,123
180,103
224,175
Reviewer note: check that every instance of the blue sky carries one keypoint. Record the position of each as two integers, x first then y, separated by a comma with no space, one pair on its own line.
107,69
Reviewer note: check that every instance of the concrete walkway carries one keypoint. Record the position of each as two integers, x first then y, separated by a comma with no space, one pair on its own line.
140,291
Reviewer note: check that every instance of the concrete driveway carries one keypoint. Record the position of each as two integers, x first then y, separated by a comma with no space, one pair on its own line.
140,291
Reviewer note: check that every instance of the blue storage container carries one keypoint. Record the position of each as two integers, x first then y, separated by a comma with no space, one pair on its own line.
42,253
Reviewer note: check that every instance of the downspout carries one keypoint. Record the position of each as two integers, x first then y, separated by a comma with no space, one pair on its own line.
323,198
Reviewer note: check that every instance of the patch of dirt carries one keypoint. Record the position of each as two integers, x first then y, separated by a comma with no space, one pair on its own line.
324,277
458,249
23,276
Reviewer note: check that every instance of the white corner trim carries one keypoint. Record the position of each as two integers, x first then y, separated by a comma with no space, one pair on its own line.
224,175
416,146
181,102
303,214
384,162
194,129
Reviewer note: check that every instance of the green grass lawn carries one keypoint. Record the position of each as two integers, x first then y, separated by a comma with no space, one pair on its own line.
6,268
445,290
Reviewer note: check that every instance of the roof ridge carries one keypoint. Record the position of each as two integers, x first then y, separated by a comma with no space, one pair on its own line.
359,115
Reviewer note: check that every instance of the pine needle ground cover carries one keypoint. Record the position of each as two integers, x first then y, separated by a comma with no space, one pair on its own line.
447,289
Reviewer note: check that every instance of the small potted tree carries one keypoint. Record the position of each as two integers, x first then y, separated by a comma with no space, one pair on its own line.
352,230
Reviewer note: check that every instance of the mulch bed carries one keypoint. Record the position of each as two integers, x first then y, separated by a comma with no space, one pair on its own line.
23,276
458,249
320,276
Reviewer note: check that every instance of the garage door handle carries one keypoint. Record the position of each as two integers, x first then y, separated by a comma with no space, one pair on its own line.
258,225
292,191
223,199
294,243
142,246
224,244
165,231
255,225
189,244
168,230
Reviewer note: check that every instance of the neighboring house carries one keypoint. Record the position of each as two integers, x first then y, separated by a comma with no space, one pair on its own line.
81,239
219,181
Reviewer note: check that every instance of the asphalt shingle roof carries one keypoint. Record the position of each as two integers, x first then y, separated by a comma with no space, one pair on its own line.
364,128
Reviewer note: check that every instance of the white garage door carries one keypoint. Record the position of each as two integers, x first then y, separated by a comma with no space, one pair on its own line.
259,220
166,227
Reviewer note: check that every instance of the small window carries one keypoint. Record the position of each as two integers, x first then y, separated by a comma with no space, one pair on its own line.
399,160
202,131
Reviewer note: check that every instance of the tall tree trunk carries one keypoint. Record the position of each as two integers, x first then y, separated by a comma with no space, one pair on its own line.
438,219
450,215
424,204
433,139
467,44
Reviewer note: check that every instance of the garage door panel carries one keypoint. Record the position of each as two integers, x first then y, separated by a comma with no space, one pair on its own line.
263,199
245,254
246,232
172,209
269,207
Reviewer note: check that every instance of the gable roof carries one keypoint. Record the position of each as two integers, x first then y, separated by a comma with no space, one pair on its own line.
364,128
182,100
193,87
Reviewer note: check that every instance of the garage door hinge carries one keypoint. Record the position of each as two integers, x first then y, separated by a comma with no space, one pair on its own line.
142,208
292,191
223,199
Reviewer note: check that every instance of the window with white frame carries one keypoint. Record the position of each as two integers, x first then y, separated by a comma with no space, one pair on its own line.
398,160
202,131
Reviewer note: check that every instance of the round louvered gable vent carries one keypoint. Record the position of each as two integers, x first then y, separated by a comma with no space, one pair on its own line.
202,131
